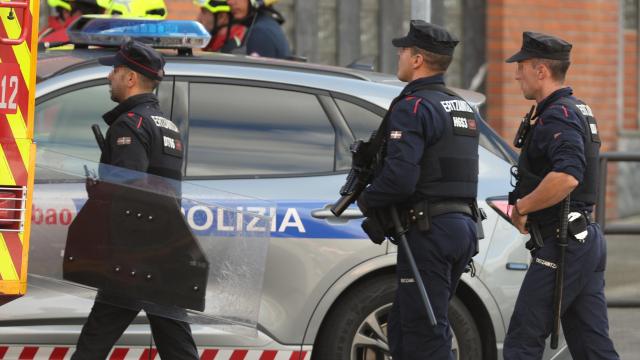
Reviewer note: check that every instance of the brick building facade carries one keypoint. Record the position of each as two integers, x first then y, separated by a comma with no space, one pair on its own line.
604,70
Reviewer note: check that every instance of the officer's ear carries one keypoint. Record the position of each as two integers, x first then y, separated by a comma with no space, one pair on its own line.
418,57
541,69
133,79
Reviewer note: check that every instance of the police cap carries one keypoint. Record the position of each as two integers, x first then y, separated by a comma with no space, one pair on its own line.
541,46
429,37
138,57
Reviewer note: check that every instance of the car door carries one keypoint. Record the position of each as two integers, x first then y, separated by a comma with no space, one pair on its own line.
283,144
49,313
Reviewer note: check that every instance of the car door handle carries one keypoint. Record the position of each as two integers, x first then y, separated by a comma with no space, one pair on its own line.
325,213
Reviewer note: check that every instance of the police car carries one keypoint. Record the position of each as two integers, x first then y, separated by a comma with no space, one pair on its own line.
280,131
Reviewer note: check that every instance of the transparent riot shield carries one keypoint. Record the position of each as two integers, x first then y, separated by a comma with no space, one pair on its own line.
176,249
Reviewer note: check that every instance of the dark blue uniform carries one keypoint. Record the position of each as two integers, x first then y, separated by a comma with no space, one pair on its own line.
416,124
265,36
558,144
139,138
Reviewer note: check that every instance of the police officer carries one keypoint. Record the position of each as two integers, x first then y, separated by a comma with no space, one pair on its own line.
135,140
264,36
559,157
429,172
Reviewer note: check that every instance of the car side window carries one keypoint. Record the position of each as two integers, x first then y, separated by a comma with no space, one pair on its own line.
239,130
63,123
361,121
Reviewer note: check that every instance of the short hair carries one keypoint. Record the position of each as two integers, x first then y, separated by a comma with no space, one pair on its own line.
557,68
148,83
436,62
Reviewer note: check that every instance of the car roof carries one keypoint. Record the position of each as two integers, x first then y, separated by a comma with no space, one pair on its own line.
52,63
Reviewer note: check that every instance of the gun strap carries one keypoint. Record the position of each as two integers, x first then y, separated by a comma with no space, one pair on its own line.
377,141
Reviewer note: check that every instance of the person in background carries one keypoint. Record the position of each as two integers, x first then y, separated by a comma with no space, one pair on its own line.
148,9
66,12
264,36
215,15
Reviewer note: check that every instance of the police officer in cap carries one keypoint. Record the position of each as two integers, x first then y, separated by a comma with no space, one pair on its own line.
429,172
559,158
135,140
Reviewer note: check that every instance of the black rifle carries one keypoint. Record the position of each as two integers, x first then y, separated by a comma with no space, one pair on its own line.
98,134
563,243
400,235
363,165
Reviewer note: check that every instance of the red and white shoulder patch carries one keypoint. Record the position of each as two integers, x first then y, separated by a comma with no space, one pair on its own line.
395,135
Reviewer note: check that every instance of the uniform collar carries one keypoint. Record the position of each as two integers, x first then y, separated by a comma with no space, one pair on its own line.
415,84
127,105
553,97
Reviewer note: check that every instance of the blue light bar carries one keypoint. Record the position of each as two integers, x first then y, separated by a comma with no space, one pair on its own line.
167,34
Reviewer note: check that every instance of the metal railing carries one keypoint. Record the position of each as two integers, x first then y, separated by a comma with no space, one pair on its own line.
613,229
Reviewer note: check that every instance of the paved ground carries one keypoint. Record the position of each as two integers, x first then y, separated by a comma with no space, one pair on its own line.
623,287
625,332
623,268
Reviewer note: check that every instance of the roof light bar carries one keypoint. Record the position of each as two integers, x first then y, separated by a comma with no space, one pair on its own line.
114,31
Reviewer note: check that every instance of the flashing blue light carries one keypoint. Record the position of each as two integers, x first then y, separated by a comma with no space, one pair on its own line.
104,31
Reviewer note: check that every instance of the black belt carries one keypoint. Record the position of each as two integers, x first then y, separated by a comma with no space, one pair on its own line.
447,207
425,208
552,229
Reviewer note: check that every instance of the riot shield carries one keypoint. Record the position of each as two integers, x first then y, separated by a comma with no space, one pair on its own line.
176,249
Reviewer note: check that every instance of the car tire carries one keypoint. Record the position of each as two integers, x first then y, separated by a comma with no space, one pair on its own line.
372,300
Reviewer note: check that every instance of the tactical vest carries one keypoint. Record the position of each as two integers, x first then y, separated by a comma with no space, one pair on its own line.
167,148
531,171
449,168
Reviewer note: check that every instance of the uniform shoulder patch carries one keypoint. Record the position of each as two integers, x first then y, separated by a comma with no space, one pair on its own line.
125,140
464,123
164,123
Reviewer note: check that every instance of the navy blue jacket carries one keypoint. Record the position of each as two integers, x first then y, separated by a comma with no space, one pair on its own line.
267,39
140,138
419,127
558,136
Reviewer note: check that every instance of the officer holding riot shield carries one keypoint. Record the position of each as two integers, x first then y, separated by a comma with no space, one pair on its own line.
428,173
553,200
139,138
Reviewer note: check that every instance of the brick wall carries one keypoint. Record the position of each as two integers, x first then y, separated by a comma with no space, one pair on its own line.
630,120
591,26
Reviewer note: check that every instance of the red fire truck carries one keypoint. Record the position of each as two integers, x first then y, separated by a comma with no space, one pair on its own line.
18,54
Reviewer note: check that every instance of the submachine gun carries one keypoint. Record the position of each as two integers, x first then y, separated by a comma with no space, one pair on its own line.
366,157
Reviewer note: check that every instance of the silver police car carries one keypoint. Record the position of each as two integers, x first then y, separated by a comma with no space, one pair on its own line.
280,131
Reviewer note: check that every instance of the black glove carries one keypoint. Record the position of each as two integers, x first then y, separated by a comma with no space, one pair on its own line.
362,205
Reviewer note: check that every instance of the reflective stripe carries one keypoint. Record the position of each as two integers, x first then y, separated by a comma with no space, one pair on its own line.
144,353
17,152
546,263
10,256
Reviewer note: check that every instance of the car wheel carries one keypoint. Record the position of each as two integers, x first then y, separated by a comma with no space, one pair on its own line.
357,327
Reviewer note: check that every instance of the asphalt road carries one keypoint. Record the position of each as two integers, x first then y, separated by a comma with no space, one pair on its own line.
623,269
624,328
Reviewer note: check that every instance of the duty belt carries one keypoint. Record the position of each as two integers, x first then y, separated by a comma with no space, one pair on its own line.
422,212
577,229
